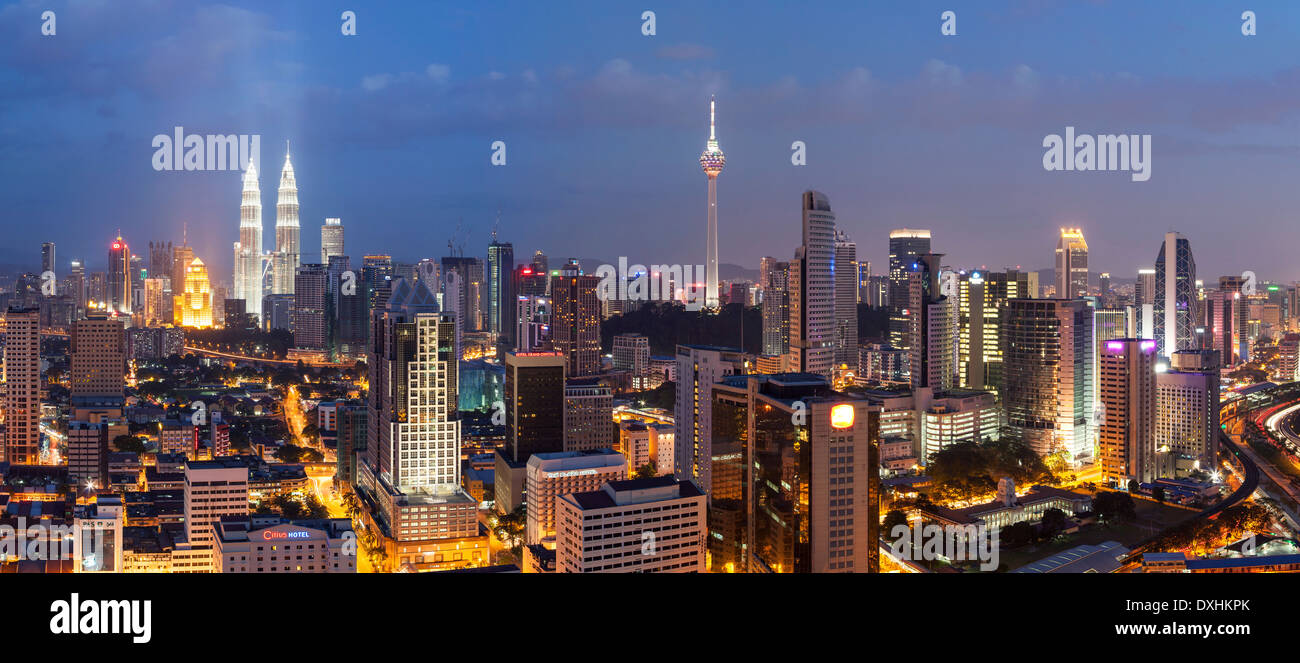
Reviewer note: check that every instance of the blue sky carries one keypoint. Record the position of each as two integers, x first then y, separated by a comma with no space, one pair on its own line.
391,129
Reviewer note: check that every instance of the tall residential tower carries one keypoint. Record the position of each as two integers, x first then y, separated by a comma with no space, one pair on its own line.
812,290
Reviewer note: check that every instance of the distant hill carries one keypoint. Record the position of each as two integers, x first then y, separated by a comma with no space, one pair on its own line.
726,271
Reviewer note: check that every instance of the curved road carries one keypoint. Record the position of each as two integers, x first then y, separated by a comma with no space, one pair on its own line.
1248,485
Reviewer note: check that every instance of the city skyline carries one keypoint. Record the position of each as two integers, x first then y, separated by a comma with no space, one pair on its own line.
899,101
996,289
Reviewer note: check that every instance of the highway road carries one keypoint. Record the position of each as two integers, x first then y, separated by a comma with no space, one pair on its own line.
1250,482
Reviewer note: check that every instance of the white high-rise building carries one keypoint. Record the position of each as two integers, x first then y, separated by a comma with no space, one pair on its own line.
712,160
288,249
812,290
698,368
331,240
248,250
933,328
213,488
418,434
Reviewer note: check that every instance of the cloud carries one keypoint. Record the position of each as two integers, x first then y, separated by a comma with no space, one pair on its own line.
376,82
942,73
150,51
684,52
440,73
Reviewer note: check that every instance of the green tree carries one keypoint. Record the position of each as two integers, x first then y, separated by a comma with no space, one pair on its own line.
291,453
646,471
129,443
1018,534
352,505
1054,522
315,508
1114,506
509,529
893,518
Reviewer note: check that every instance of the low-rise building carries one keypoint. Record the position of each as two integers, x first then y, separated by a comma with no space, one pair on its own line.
553,475
273,544
641,525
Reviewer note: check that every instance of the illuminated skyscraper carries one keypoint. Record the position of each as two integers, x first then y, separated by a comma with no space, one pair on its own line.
1222,333
787,453
575,322
1047,375
905,245
1127,379
981,298
933,328
22,397
776,309
1186,425
416,444
331,240
97,362
812,290
712,160
248,250
1175,314
1071,264
288,250
119,277
411,466
846,300
77,281
159,302
310,307
196,300
501,291
48,262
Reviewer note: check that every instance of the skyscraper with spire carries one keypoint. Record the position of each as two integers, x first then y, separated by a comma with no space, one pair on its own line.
712,160
288,253
248,250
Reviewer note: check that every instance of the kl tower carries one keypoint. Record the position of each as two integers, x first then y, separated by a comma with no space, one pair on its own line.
712,161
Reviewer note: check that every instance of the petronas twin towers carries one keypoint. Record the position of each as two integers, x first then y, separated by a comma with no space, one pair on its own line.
252,266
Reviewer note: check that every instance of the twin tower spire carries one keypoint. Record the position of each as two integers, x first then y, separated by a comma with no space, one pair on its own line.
252,266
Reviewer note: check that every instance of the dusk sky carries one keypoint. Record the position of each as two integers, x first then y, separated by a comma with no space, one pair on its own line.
391,129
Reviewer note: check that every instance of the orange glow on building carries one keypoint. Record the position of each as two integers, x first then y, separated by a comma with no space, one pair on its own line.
842,416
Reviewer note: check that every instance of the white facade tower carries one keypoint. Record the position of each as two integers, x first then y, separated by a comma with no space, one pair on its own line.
288,253
331,240
248,250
